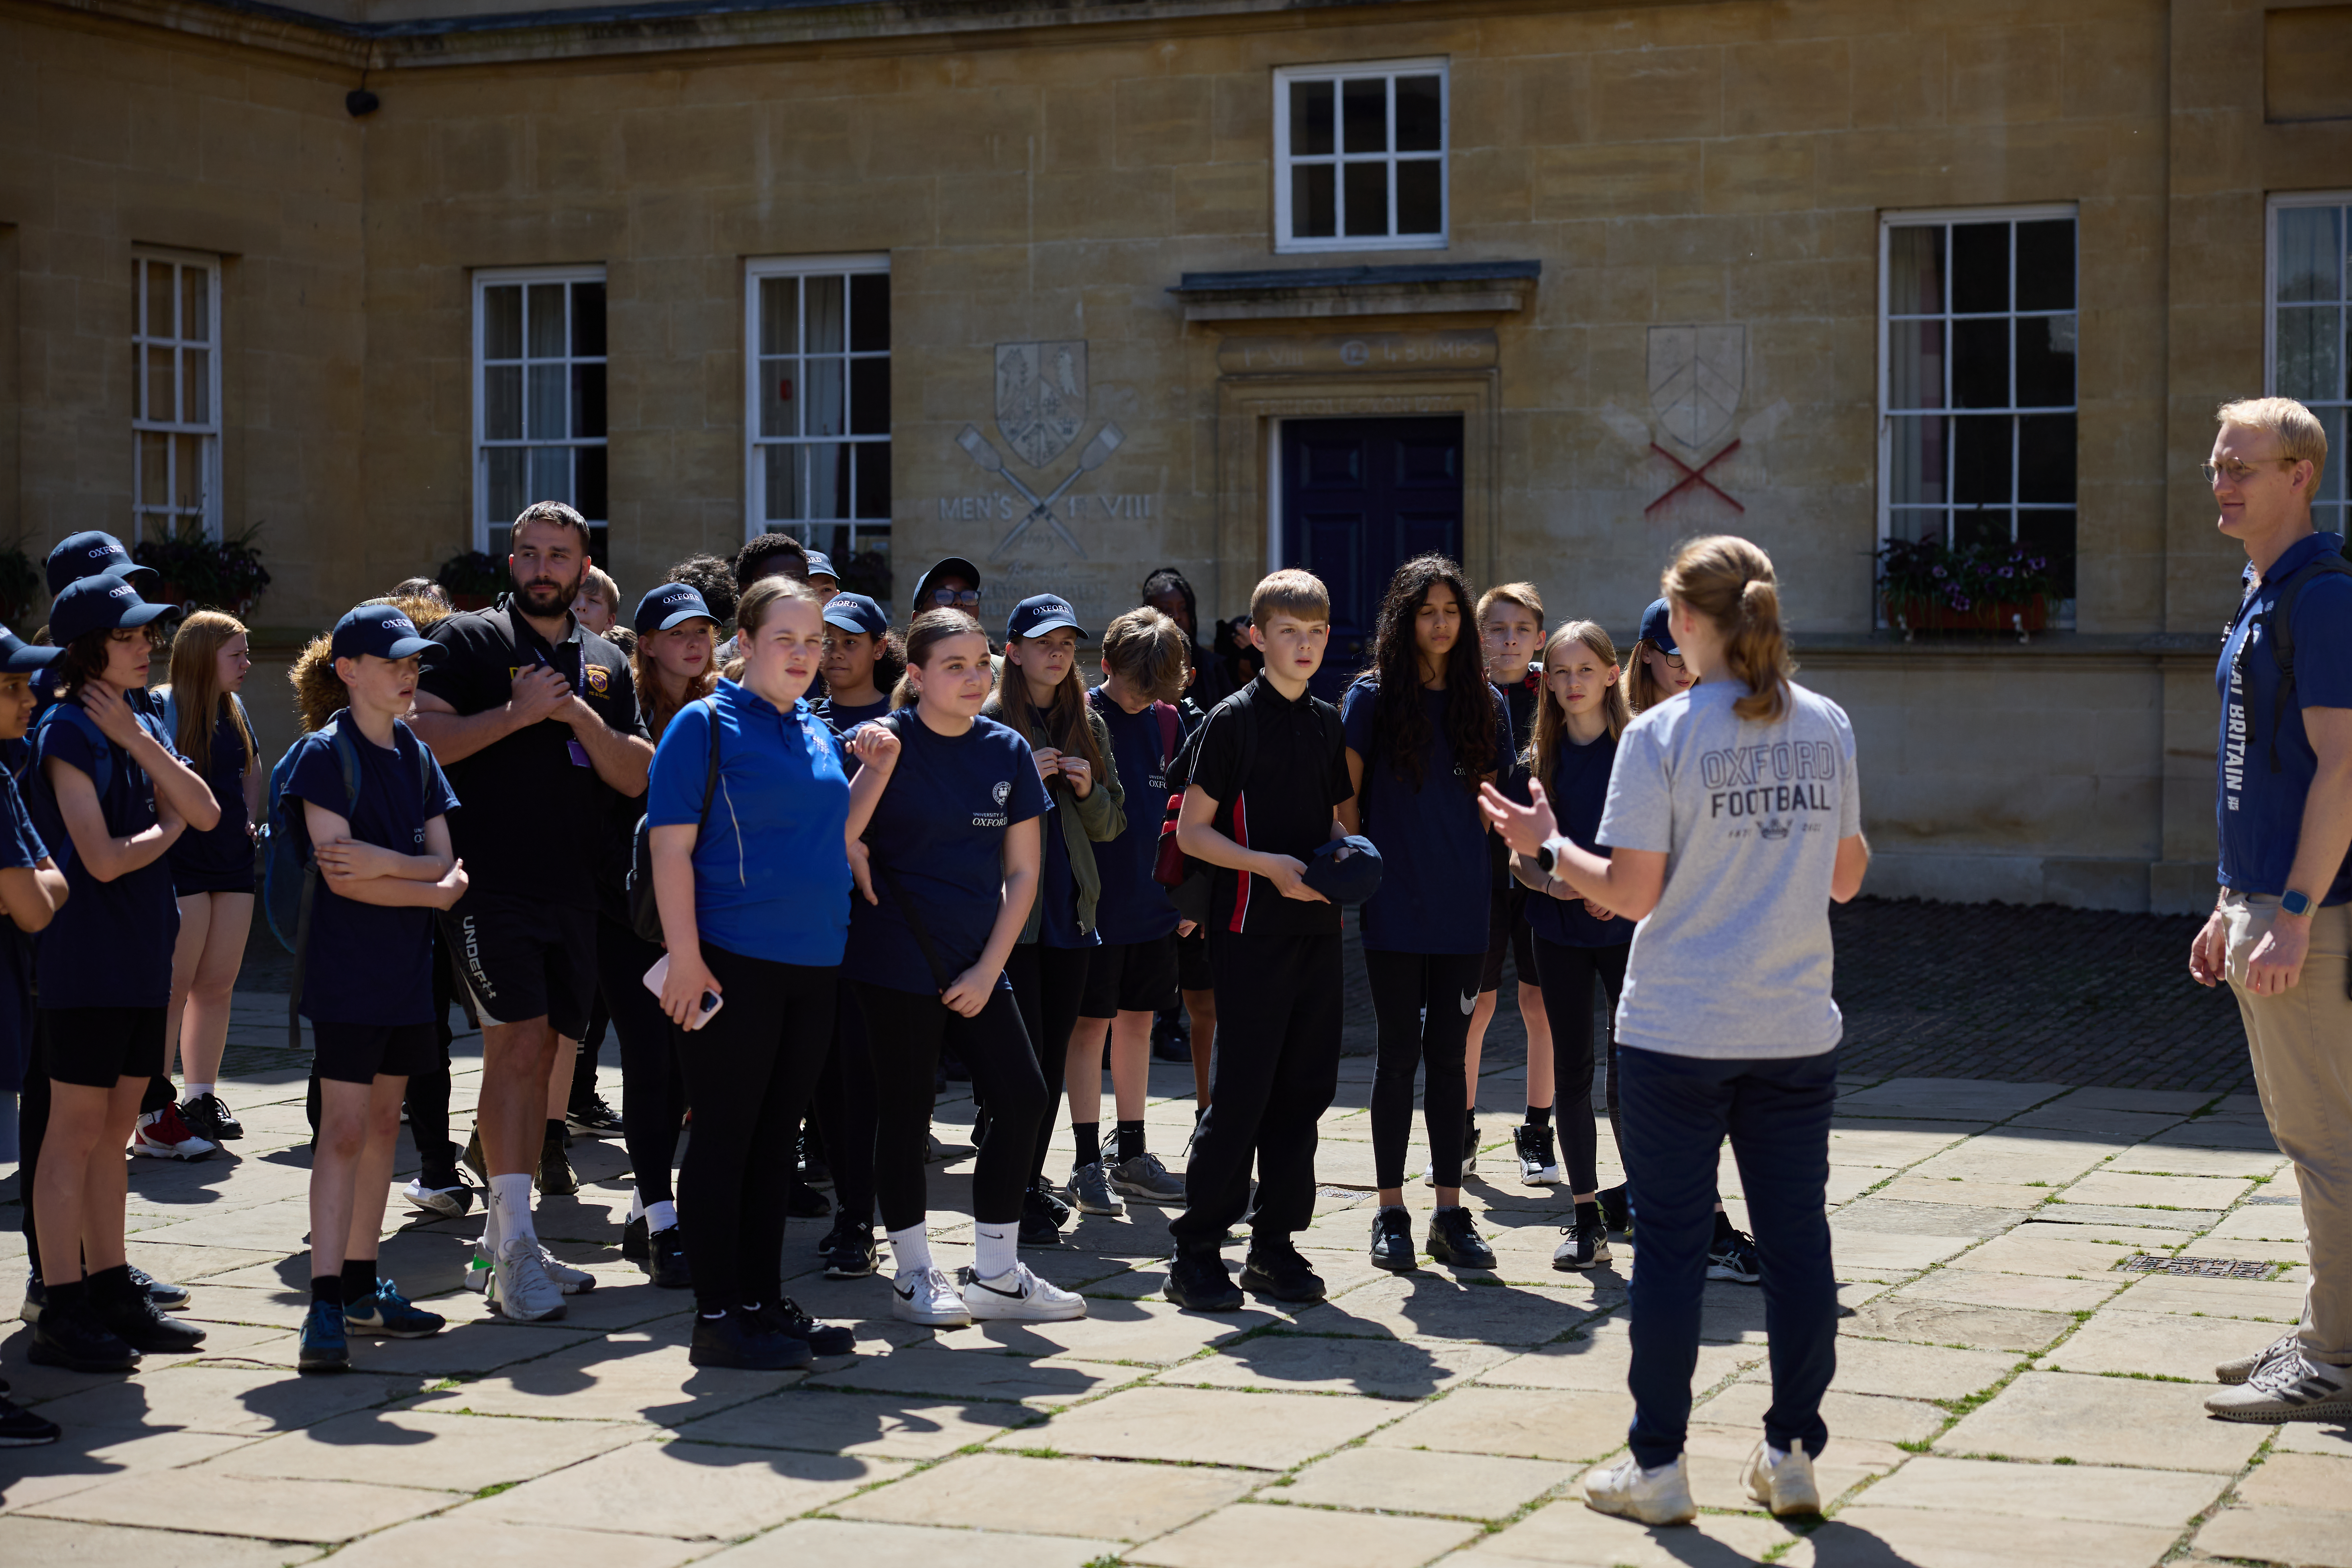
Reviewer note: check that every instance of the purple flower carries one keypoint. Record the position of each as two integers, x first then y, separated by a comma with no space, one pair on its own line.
1959,602
1940,570
2038,562
1983,570
2007,573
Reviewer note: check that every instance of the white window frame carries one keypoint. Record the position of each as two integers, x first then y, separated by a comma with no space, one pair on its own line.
1888,221
486,278
207,432
1284,242
755,474
2330,515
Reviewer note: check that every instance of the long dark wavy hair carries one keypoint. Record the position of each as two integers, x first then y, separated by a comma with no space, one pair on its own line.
1399,717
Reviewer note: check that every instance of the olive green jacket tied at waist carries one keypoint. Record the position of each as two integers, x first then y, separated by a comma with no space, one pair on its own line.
1098,819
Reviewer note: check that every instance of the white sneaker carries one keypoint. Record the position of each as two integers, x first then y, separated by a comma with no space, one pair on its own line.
164,1135
2288,1388
567,1279
1647,1497
1019,1296
2245,1366
1785,1484
927,1295
520,1290
450,1203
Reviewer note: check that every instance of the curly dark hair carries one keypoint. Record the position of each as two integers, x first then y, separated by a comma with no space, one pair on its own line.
711,576
1399,717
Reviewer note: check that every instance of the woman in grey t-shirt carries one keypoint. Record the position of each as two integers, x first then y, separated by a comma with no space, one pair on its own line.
1733,820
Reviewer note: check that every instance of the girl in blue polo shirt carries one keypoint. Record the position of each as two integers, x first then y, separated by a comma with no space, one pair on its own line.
954,854
1423,730
751,872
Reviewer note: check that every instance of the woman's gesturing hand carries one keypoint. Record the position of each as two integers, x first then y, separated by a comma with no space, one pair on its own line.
1524,827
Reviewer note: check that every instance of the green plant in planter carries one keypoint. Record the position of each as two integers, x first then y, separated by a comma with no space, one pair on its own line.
472,575
20,582
198,572
1922,581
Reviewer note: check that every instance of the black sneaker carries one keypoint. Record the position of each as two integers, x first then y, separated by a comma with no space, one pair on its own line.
211,1119
666,1260
1197,1281
37,1297
814,1172
73,1338
1582,1245
1455,1241
23,1429
736,1340
1274,1268
135,1319
783,1316
633,1239
1539,1166
1616,1209
1050,1201
555,1178
1038,1227
592,1115
1732,1256
847,1249
804,1202
170,1298
1393,1241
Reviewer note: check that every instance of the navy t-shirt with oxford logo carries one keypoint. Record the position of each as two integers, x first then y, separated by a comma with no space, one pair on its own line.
110,945
1436,887
1133,906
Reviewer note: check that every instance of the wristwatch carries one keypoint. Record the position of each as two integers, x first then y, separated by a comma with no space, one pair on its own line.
2294,903
1545,858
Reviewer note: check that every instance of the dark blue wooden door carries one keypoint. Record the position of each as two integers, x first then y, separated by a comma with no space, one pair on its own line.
1360,496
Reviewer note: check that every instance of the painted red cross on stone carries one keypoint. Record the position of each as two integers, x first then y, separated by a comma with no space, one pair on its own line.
1692,476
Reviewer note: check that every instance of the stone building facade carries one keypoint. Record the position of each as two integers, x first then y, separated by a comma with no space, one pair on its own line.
1080,290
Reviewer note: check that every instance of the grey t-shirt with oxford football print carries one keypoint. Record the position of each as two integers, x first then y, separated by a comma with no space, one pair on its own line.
1734,961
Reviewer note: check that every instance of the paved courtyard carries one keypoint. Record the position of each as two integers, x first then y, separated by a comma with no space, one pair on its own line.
2010,1390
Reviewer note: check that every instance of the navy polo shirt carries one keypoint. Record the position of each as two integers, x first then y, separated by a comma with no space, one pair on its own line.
368,963
203,861
1133,907
1578,789
111,945
940,827
771,866
1436,887
2261,812
20,850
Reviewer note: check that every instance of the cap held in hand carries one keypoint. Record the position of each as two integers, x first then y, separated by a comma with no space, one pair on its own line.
1346,870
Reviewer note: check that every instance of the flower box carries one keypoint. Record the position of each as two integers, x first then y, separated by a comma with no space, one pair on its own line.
1981,615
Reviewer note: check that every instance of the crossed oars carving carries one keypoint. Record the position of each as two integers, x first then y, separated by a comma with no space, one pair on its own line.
1097,452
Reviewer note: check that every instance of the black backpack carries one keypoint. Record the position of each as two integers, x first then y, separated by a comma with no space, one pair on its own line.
2278,632
644,909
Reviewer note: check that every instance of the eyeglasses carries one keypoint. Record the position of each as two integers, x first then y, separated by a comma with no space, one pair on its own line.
2237,472
1673,660
955,595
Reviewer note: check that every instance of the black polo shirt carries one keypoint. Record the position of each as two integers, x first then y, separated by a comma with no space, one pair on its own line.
535,813
1283,806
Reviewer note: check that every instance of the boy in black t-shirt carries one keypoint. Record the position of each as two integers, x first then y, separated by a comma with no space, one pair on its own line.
1268,789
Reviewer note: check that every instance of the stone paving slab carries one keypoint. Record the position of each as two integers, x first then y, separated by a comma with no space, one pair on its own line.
1048,1496
2104,1421
1311,1538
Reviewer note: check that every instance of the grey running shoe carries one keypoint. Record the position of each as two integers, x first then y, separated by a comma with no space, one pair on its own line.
1582,1246
1145,1177
520,1290
2245,1366
1091,1190
1734,1258
2288,1388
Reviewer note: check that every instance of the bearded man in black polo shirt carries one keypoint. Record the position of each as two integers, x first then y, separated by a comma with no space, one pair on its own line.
535,719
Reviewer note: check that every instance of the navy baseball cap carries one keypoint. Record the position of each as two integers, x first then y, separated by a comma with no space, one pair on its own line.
1655,629
1040,614
670,604
381,630
946,566
821,565
856,613
100,604
92,554
1346,870
18,657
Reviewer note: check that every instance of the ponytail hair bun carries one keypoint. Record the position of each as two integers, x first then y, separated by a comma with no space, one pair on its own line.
1729,581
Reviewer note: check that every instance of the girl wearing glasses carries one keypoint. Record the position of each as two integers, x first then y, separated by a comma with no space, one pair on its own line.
952,583
1658,671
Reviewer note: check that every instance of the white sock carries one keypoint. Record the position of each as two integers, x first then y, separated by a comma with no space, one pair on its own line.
995,1250
1773,1456
510,1207
911,1249
662,1216
636,1204
194,1091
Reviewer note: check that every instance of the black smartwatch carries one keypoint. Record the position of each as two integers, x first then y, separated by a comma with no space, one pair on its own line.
2294,903
1545,858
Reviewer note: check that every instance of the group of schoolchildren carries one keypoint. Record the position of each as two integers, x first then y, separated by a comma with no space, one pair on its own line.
834,858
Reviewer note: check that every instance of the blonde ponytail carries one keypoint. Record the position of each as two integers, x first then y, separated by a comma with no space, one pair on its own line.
1729,581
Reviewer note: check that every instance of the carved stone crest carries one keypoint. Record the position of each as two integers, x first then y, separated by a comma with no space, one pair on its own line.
1695,377
1041,397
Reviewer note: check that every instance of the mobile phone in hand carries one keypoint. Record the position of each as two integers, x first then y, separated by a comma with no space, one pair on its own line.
658,976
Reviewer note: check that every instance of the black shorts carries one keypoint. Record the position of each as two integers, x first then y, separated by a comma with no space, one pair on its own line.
356,1053
526,958
1193,963
1130,977
1507,927
98,1046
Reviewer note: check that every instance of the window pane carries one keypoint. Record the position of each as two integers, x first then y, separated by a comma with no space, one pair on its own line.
1916,451
195,305
502,403
590,498
549,409
1310,119
1313,208
869,312
1981,525
1980,364
588,320
507,468
551,474
159,321
2310,252
2050,535
870,396
1914,364
1980,458
1915,255
2045,362
162,405
196,386
588,400
781,470
820,393
1364,115
828,472
154,469
873,481
2331,483
1420,205
780,315
2045,457
188,472
824,304
1367,198
1918,525
1419,119
1979,266
776,386
544,320
2311,353
2045,265
502,321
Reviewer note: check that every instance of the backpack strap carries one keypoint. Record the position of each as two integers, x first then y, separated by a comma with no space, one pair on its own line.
2278,631
1170,729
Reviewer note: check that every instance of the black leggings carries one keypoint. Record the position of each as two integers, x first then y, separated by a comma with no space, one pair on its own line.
1567,975
905,1029
844,1110
1049,984
749,1070
652,1085
1422,1001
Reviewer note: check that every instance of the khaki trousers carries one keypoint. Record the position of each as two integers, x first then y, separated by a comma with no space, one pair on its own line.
2300,1042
